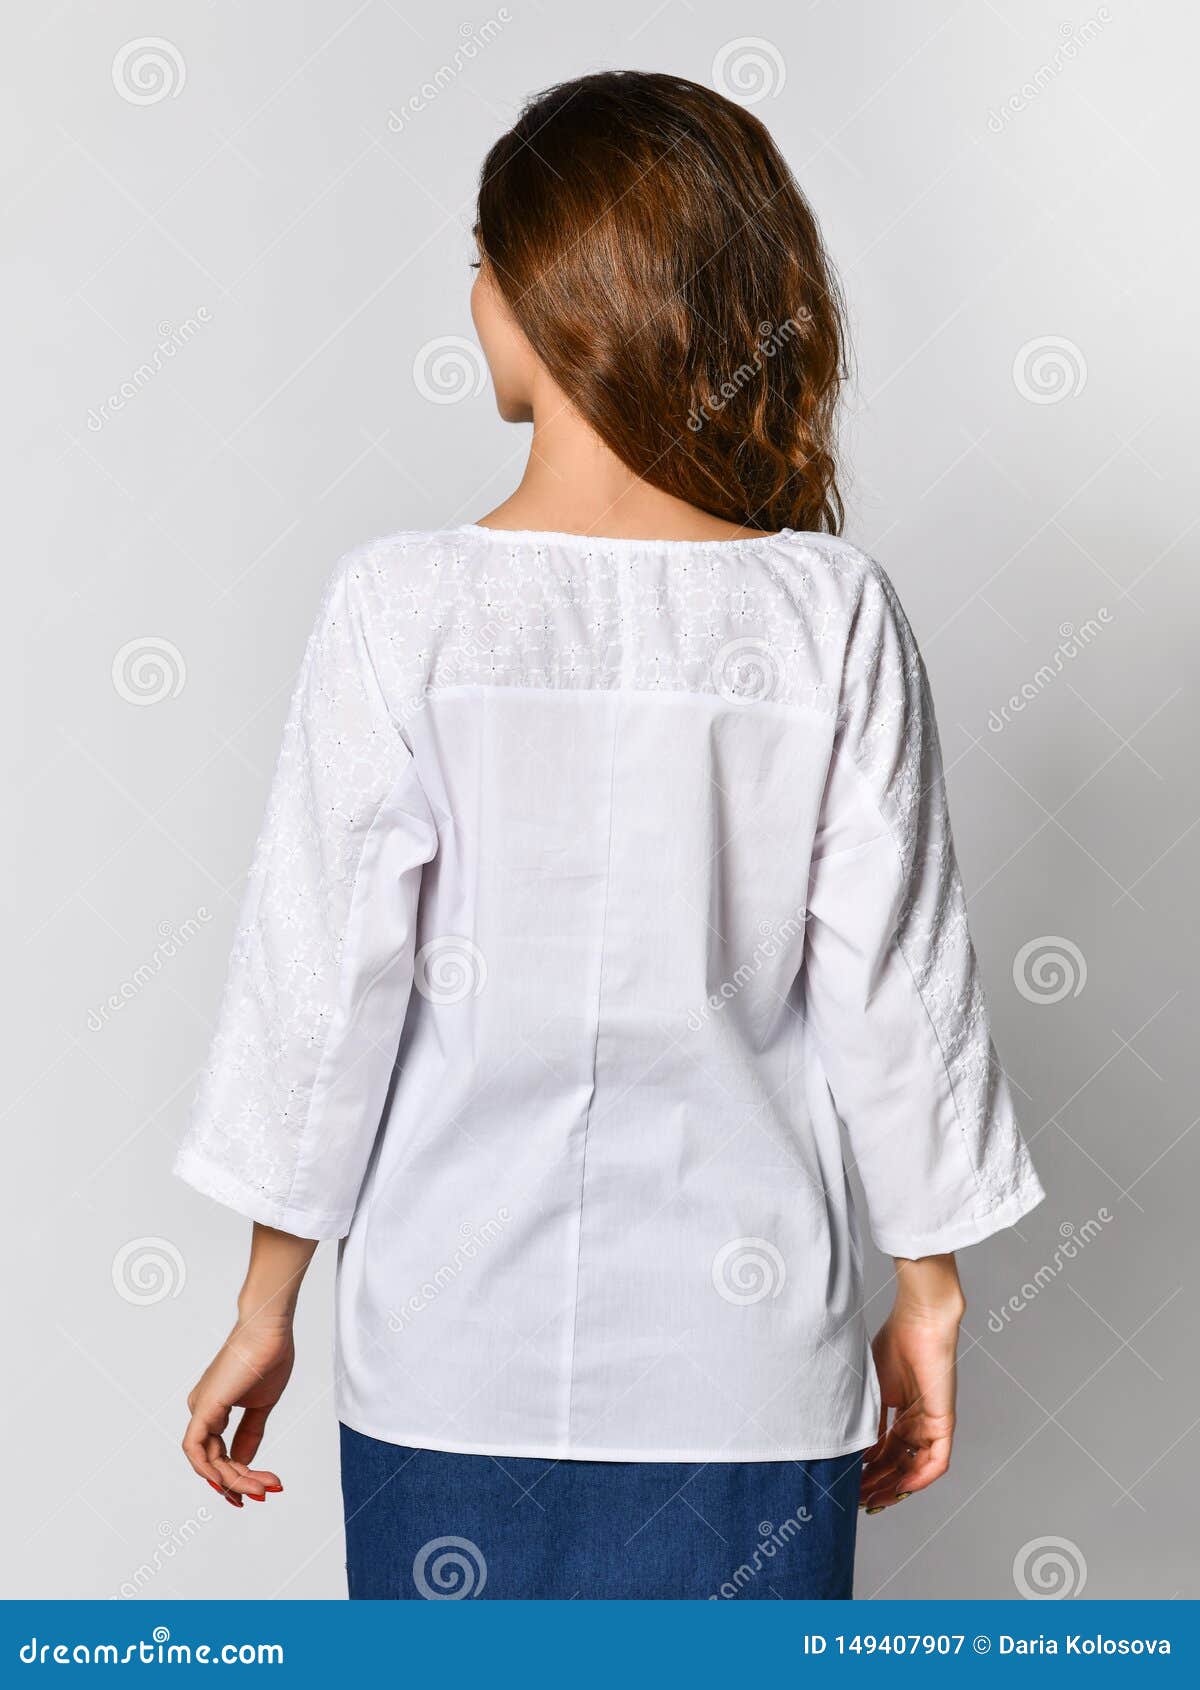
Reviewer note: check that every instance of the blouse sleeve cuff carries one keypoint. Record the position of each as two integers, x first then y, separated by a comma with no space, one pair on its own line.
958,1234
212,1180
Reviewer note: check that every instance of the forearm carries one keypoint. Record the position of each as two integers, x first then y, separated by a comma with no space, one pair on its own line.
274,1274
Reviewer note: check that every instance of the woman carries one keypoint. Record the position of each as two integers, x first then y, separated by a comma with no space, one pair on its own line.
606,879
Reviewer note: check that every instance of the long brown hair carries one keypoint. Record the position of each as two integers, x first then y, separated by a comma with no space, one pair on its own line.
658,255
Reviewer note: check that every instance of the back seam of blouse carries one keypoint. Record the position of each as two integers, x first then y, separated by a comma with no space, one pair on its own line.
587,1120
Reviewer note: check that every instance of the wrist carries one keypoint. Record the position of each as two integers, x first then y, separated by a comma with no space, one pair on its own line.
274,1274
265,1308
928,1290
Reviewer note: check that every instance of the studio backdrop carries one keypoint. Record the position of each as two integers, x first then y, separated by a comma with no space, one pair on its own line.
239,342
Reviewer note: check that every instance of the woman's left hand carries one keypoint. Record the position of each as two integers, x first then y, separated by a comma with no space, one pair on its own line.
249,1372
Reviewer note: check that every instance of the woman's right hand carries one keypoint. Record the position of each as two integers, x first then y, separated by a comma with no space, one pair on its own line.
249,1372
915,1353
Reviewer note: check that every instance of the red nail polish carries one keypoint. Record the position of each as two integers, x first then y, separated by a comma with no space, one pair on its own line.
272,1487
250,1496
233,1501
214,1485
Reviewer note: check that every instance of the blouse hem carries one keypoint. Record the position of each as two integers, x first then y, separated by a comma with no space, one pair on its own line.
583,1452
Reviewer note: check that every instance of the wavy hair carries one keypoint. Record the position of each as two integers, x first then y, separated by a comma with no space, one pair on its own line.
660,258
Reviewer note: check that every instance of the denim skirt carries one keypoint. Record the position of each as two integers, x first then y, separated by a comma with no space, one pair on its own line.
425,1525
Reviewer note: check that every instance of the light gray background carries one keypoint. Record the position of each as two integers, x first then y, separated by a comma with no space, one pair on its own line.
988,176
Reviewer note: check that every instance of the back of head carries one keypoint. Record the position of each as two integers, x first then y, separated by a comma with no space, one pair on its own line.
655,250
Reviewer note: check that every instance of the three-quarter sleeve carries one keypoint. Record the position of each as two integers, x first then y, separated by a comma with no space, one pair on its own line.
892,993
322,966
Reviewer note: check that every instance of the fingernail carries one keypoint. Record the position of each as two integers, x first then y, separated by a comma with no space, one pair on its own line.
250,1496
215,1485
233,1501
272,1487
903,1495
877,1509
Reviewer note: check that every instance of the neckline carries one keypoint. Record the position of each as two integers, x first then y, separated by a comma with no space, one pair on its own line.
608,542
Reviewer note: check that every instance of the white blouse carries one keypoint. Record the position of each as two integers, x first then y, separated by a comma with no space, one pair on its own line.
604,910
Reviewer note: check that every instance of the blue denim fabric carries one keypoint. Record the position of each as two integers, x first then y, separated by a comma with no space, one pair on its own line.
425,1525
